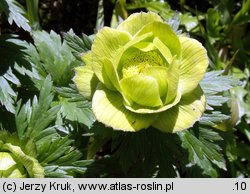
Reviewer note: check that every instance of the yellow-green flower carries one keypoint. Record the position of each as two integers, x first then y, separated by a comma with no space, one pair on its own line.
142,74
14,162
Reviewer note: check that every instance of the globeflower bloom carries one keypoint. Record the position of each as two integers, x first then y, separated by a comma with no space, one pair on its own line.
142,74
14,162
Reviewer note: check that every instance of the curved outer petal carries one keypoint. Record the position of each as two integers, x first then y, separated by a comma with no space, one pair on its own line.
85,81
107,44
193,65
136,21
9,168
32,166
109,109
165,34
184,114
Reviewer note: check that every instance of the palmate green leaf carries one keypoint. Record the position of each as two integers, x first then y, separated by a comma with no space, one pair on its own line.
54,151
13,58
15,12
24,59
214,82
213,86
55,171
74,107
213,118
202,152
33,117
210,135
7,95
59,158
72,93
56,57
76,111
35,120
78,45
215,101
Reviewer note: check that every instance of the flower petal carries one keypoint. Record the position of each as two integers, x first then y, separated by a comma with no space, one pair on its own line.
173,79
193,65
85,79
164,32
109,109
136,21
107,44
149,110
138,40
164,50
160,74
9,168
112,75
145,46
184,114
32,166
130,45
141,89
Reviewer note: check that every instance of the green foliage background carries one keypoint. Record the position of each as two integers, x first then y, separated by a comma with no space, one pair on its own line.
41,42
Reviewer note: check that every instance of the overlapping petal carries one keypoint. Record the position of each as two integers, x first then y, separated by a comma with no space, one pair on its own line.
85,79
136,21
193,64
143,90
31,165
184,114
108,108
107,44
165,34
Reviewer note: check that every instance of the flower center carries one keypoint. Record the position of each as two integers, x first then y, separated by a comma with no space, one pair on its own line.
139,61
134,70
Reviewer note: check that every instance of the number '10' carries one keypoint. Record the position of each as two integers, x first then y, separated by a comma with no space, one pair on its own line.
241,186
